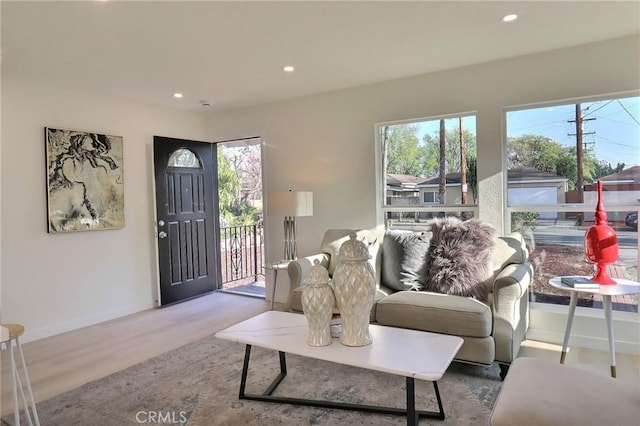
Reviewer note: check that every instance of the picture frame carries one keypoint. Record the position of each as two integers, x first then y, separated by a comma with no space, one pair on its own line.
85,181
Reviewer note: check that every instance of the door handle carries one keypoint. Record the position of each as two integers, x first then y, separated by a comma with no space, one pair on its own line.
162,234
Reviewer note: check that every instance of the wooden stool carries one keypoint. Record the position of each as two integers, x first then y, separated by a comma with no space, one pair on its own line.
9,334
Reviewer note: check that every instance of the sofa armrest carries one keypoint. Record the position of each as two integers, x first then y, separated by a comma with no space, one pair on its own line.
511,309
299,270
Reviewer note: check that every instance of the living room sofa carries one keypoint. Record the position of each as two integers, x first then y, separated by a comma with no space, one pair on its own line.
492,330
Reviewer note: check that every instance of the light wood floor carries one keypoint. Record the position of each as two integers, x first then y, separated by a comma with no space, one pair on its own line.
60,363
63,362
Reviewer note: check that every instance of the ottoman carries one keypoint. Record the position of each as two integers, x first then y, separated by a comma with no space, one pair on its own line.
539,392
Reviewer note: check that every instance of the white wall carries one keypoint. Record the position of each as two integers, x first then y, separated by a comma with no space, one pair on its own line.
57,282
325,143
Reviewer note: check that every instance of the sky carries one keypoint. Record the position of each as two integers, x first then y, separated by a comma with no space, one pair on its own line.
615,124
611,127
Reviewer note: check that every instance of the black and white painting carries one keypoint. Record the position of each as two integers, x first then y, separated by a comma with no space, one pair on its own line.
85,182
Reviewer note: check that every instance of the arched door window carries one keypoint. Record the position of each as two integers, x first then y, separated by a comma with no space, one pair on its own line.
184,158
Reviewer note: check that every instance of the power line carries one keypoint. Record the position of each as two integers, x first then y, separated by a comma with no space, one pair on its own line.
599,108
627,111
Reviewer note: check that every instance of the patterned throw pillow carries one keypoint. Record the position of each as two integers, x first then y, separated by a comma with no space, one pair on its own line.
459,260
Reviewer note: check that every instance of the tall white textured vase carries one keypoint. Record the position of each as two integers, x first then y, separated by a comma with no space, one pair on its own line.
317,305
354,285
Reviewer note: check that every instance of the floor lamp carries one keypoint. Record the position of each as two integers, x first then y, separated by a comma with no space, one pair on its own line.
290,204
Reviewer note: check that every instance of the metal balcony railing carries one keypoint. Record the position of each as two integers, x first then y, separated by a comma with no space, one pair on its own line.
242,253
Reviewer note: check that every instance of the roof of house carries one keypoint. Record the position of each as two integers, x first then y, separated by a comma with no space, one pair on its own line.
403,180
632,174
525,173
516,174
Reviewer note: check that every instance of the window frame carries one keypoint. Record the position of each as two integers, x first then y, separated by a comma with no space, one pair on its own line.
382,210
633,317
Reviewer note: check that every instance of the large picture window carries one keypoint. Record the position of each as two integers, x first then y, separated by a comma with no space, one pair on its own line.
428,169
555,155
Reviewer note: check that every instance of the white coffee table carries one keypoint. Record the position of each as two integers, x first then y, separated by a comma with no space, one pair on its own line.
409,353
606,291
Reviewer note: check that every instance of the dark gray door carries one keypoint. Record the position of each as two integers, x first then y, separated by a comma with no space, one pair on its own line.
187,215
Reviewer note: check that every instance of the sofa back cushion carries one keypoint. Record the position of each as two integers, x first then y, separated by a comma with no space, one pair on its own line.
509,249
403,259
459,260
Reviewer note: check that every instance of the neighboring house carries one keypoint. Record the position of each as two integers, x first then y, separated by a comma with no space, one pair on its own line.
618,188
430,188
526,185
402,189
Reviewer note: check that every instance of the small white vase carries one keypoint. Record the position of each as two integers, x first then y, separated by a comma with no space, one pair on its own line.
317,304
354,285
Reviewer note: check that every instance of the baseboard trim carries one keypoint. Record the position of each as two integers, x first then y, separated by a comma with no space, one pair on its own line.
588,342
41,333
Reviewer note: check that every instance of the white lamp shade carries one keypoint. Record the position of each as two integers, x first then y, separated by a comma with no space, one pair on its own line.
290,203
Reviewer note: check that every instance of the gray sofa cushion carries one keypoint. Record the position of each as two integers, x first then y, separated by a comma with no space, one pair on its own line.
438,313
403,260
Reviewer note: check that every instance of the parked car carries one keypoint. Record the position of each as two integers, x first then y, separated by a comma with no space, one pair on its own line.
632,220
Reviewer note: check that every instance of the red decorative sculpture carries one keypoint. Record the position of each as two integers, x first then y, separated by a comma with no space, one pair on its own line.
601,243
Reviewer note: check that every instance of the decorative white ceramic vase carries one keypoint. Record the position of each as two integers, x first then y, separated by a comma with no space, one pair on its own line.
354,285
317,304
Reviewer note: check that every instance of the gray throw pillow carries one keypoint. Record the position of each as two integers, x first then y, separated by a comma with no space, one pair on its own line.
459,260
403,260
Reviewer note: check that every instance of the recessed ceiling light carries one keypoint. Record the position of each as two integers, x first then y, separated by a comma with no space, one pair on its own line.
509,18
288,68
177,95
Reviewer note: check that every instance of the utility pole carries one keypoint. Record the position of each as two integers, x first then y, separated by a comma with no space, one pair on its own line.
580,148
579,152
443,163
463,163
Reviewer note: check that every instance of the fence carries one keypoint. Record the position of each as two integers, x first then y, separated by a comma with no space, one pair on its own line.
242,253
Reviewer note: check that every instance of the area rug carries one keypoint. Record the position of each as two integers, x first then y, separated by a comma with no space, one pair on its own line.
198,384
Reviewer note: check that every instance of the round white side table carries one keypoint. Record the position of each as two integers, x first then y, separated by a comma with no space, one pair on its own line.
622,287
275,267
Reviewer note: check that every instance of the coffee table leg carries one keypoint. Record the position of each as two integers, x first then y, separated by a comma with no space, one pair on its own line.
440,408
245,370
567,332
412,419
413,416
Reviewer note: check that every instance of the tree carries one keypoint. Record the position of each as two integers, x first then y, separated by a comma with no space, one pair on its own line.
472,176
452,135
238,181
404,153
536,151
603,168
442,163
228,189
549,156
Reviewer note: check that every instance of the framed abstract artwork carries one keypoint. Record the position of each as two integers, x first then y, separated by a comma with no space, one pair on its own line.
85,181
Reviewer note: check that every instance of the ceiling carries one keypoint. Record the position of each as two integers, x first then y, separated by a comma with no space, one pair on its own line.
231,54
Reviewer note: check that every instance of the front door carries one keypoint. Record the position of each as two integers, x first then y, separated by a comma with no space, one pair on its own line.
187,218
